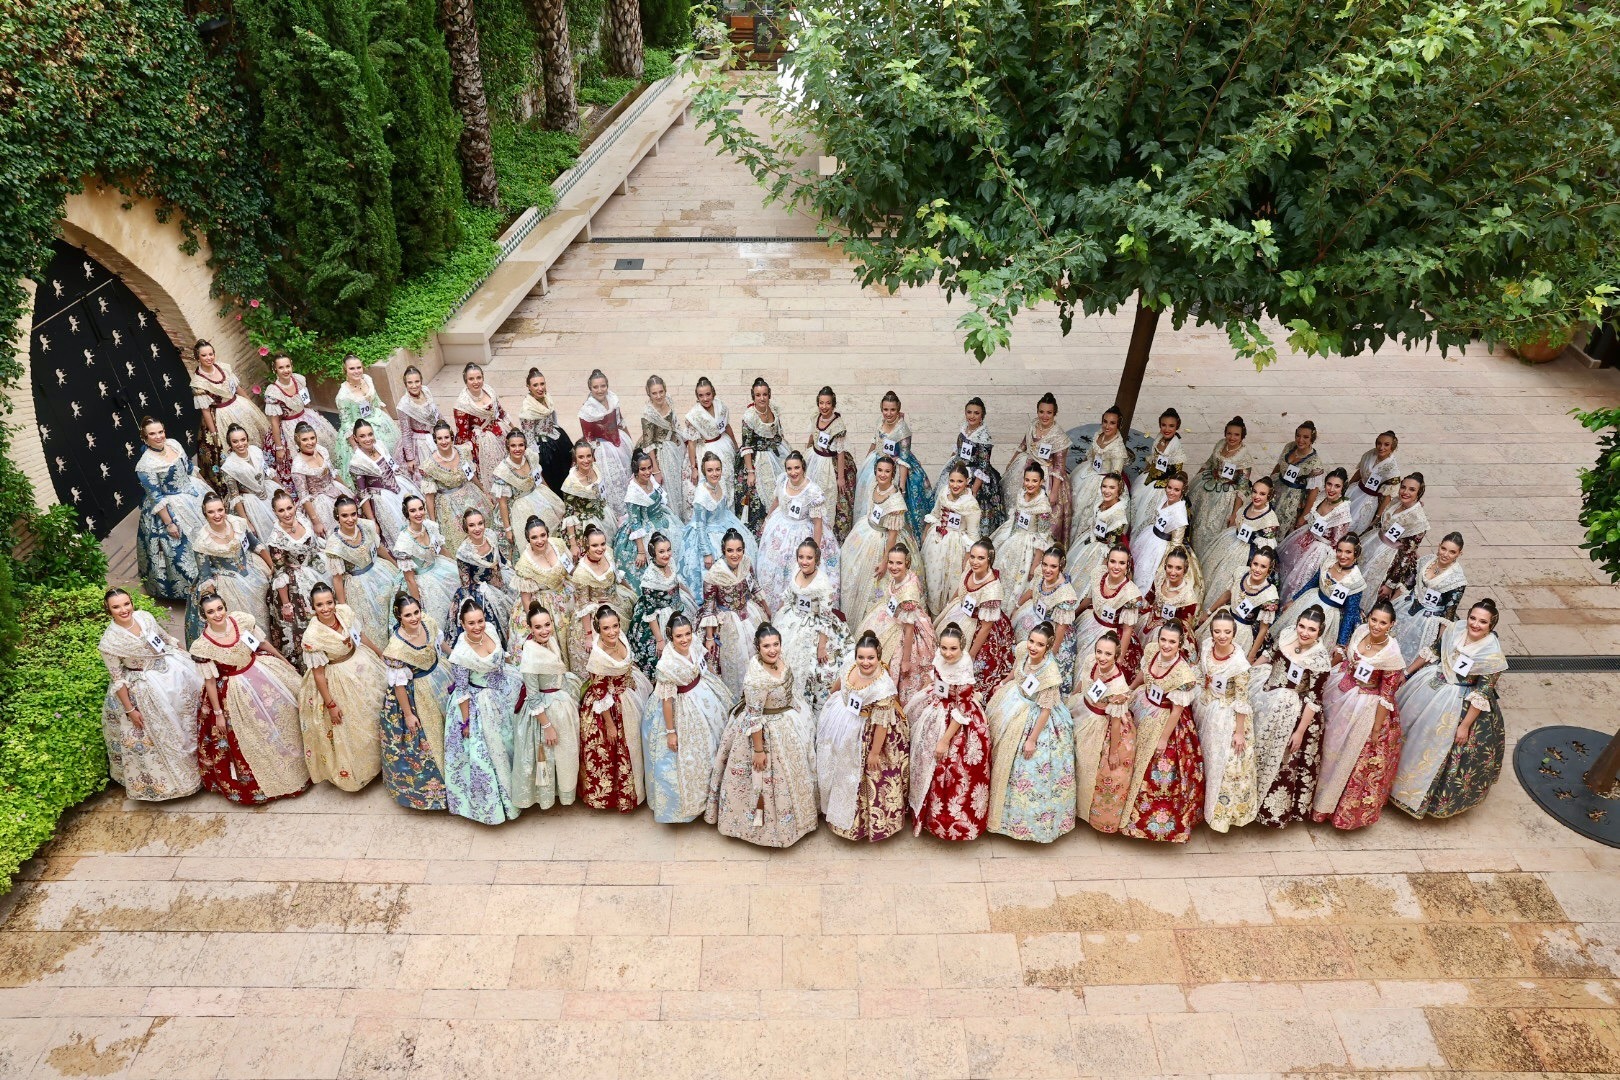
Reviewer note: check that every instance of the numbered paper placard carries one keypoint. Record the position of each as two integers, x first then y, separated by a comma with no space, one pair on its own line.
468,469
940,689
876,516
1340,595
1161,524
1023,519
1095,692
1244,533
891,447
856,702
1156,697
1394,533
824,442
1291,475
1296,673
952,519
1364,670
1461,665
970,606
251,641
1097,466
1217,683
1319,529
1043,452
155,640
1244,609
1099,529
893,605
796,511
1430,598
1228,472
1161,464
1030,685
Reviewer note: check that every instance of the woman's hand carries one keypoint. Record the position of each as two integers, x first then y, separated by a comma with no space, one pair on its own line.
136,719
173,530
942,749
708,562
411,722
821,650
761,760
672,740
287,611
1464,731
874,760
612,730
1029,747
548,732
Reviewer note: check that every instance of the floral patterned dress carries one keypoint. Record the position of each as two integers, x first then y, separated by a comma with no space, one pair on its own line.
703,537
168,567
1166,797
416,419
976,603
298,565
950,797
895,444
1021,536
550,584
380,483
1162,603
526,496
973,451
545,774
866,550
1391,557
1147,487
484,579
437,578
1307,549
1222,479
231,567
831,469
158,759
1338,593
1439,777
1280,694
363,404
1055,604
792,522
859,803
1428,603
610,762
734,608
316,487
260,756
1085,486
1231,550
708,430
646,514
1359,756
775,806
348,752
413,760
478,743
952,530
661,440
453,485
586,504
1379,480
763,442
595,586
291,407
663,594
481,427
898,606
603,425
1049,450
223,395
1089,555
678,780
249,487
1291,478
1150,546
1230,797
1102,707
1253,609
547,440
1031,798
807,617
370,582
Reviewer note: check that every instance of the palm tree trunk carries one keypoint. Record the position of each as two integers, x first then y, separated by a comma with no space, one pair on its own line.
561,112
467,94
624,38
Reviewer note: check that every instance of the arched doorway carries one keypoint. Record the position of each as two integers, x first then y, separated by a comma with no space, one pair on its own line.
100,362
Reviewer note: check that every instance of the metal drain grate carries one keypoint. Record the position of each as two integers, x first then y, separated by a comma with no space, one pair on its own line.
628,264
1563,664
709,240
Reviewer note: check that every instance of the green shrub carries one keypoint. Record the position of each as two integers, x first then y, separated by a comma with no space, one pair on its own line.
527,160
1600,492
606,90
665,22
656,64
508,54
63,556
51,751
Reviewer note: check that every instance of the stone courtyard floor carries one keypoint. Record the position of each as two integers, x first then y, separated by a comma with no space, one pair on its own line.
339,935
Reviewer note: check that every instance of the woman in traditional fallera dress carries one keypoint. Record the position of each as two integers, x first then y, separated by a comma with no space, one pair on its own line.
1298,472
357,399
1108,455
429,574
362,571
1026,534
481,424
646,514
1390,557
298,563
761,455
981,611
479,718
545,735
1250,597
829,465
950,747
596,582
484,574
286,404
682,726
1339,590
1223,714
610,751
418,414
764,785
520,493
865,551
706,427
1166,797
1104,736
249,745
1167,457
712,519
1286,695
1304,552
219,400
1429,601
661,440
1361,736
542,574
863,750
662,595
315,480
379,483
815,640
1047,445
973,452
1051,598
248,483
584,496
340,698
732,609
601,423
449,483
230,561
1174,597
893,441
413,708
951,529
798,512
149,721
1375,482
1109,527
1253,527
171,510
1108,606
900,622
537,418
1032,782
1219,488
1453,737
1166,531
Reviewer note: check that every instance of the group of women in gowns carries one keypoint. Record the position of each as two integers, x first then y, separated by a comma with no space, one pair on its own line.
710,619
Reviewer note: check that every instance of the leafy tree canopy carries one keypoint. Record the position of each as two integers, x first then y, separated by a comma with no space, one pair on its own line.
1386,169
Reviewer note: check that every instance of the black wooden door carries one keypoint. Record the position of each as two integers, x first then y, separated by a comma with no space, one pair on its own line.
100,363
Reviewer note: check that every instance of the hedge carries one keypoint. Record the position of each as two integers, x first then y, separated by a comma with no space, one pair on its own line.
51,753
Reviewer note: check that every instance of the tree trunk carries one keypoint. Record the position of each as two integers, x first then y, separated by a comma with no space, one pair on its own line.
561,112
467,94
1136,361
1601,776
624,38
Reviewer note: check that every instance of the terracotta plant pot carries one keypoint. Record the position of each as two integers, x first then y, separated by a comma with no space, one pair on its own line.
1549,347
